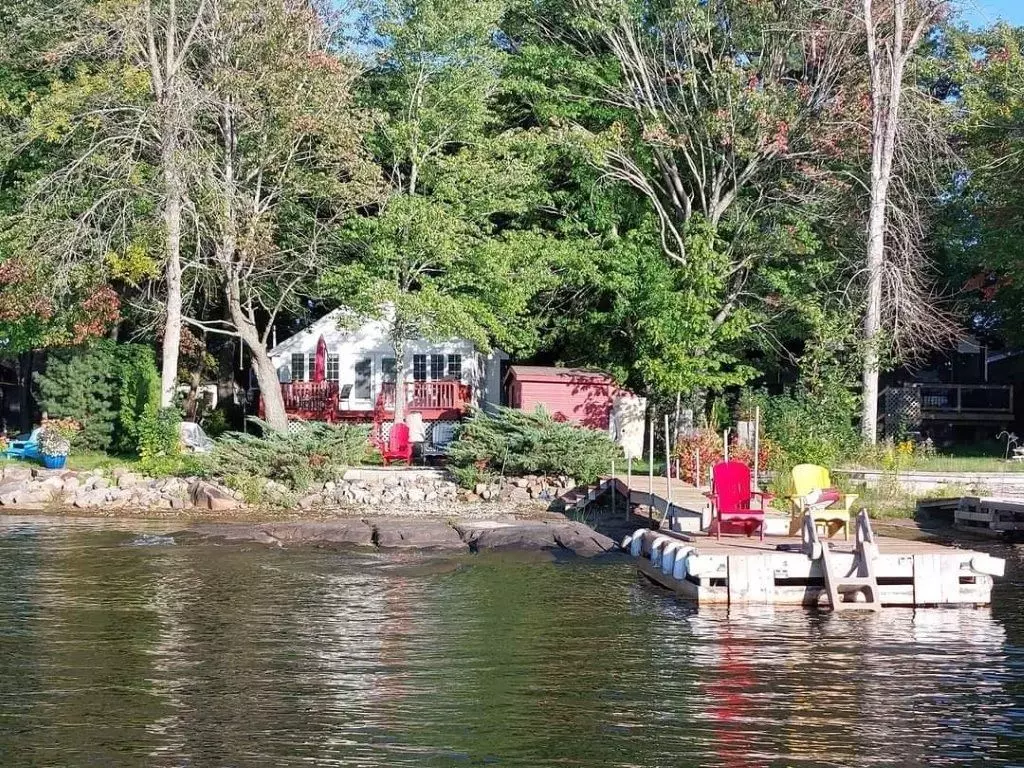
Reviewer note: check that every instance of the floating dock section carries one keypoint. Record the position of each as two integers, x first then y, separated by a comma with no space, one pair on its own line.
791,570
868,571
990,515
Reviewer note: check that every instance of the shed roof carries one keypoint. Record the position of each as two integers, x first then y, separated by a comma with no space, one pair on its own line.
553,373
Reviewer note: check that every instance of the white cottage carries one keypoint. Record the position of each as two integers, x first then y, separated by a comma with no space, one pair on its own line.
442,378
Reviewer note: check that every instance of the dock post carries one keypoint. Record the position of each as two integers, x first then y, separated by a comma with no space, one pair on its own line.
629,484
668,472
650,470
757,445
613,487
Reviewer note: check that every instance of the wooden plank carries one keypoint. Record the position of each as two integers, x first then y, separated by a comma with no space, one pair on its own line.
903,595
936,580
750,579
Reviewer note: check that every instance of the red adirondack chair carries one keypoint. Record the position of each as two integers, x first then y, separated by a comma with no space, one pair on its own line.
731,495
398,448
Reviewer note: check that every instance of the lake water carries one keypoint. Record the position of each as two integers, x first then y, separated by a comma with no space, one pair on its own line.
121,650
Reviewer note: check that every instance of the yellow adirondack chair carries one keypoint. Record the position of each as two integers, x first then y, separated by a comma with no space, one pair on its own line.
808,478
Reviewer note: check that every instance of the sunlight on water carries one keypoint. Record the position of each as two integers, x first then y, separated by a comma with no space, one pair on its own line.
128,649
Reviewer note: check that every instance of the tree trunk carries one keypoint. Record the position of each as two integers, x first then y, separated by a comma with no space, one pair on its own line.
266,373
873,321
191,407
399,347
886,72
172,271
25,370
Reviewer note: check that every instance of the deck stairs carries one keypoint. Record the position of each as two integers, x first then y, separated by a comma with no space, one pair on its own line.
582,497
858,589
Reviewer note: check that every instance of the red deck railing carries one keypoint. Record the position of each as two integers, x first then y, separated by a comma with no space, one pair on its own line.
428,395
310,396
320,399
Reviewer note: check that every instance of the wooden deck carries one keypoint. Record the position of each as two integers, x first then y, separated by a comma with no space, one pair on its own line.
740,570
327,401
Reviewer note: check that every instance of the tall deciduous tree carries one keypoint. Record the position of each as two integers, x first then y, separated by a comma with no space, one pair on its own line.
284,167
893,31
983,233
726,122
119,113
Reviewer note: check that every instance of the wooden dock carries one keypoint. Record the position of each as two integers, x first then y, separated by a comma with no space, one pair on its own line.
778,571
802,570
673,498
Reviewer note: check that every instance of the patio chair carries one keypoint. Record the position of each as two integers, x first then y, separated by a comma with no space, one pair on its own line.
399,447
813,492
731,495
25,446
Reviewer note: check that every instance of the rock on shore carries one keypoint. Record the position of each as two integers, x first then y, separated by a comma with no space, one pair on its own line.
396,533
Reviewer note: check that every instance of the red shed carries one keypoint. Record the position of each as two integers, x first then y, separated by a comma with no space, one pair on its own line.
572,394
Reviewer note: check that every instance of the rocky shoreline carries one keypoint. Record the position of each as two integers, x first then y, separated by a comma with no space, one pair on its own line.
385,510
553,534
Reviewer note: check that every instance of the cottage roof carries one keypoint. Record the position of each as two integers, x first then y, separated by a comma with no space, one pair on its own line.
329,322
554,373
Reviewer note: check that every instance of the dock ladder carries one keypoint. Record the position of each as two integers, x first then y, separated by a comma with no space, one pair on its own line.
861,582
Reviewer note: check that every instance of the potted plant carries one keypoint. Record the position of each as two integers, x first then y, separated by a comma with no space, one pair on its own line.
55,441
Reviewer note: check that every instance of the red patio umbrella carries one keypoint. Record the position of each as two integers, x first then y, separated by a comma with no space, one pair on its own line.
320,363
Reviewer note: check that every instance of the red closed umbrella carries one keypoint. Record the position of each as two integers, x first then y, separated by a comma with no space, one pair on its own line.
320,364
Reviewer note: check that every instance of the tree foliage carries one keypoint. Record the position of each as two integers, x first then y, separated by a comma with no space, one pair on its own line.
105,387
676,191
981,237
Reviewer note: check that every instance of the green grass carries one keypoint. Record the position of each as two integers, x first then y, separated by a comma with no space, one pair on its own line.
85,461
943,463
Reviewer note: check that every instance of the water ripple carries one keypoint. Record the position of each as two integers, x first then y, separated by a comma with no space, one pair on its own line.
199,655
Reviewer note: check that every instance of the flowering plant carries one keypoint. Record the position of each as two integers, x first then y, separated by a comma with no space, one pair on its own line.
56,435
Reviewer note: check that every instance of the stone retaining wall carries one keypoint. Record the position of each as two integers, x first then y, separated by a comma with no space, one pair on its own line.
402,491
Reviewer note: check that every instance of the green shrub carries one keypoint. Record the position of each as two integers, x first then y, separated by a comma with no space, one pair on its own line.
159,444
518,443
808,429
251,487
314,452
105,387
138,389
78,384
470,476
215,423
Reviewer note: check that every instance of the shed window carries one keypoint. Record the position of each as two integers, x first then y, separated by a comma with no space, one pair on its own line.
333,367
299,367
454,366
387,370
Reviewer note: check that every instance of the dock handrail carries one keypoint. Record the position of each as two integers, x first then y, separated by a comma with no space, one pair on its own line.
861,579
